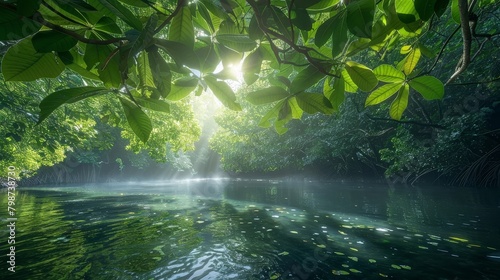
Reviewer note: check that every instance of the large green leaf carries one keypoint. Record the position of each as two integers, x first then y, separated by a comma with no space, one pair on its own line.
162,76
428,86
237,42
306,78
14,27
441,6
145,38
223,92
209,60
425,8
406,11
251,66
181,88
398,106
48,41
339,35
411,60
324,32
382,93
295,109
122,12
455,11
144,72
137,119
361,75
58,98
349,85
23,63
181,29
388,73
301,19
106,24
179,53
336,92
313,103
153,104
271,114
267,95
360,17
28,8
99,56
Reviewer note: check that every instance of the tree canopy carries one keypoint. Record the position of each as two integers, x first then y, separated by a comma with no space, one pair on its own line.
148,54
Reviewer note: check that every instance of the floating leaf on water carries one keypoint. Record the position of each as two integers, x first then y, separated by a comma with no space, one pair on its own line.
343,233
294,232
284,253
458,239
200,222
354,249
474,246
383,275
275,276
491,248
157,258
423,247
340,272
254,255
345,265
354,258
346,226
321,246
353,270
372,261
407,267
395,266
339,253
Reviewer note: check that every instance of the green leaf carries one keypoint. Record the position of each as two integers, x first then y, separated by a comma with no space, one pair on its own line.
428,86
406,11
324,32
14,27
48,41
223,92
455,11
382,93
22,62
335,93
237,42
441,7
425,8
146,79
179,53
251,66
301,19
388,73
361,75
267,95
313,103
411,61
281,21
400,103
181,29
58,98
153,104
181,88
339,35
98,56
28,8
106,24
137,119
360,17
271,114
295,109
306,78
349,86
160,71
208,58
145,38
122,12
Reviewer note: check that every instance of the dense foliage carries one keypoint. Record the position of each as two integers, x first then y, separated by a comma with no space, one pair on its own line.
301,56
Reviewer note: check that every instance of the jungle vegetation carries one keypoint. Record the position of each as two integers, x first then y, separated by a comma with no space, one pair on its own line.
402,89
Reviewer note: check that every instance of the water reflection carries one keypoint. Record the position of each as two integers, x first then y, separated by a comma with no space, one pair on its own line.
255,230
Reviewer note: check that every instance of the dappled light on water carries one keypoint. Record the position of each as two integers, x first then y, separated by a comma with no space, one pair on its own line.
223,229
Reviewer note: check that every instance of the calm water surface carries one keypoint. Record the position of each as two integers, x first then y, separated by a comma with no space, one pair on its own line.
222,229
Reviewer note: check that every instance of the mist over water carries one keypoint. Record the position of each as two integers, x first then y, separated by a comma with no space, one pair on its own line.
255,229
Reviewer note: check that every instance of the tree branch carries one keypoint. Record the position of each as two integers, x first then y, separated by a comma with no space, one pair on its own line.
467,40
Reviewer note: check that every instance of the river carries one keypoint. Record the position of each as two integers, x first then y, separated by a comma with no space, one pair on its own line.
253,229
